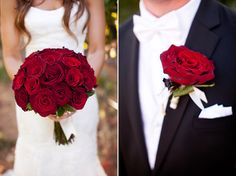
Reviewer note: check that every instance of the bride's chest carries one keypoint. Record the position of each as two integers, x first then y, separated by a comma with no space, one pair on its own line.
41,22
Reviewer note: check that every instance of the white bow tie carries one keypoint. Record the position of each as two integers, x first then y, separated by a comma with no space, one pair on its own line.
167,27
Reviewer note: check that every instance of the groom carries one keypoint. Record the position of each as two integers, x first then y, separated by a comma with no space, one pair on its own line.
176,142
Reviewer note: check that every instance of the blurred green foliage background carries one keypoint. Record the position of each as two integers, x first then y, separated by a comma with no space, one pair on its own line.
128,7
111,19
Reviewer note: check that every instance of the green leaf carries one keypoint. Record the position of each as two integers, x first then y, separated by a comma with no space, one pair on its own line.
182,91
60,111
90,93
205,85
29,107
68,108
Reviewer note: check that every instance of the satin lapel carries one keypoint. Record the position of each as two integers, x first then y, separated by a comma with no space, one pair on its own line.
169,130
200,39
134,105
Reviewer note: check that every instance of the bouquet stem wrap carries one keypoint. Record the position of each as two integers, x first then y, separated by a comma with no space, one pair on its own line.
62,133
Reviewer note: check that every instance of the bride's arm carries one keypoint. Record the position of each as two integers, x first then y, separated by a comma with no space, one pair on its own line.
10,37
96,34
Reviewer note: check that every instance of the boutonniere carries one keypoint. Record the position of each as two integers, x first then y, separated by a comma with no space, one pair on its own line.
188,71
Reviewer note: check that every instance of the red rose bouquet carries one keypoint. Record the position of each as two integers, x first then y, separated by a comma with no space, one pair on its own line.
54,81
187,70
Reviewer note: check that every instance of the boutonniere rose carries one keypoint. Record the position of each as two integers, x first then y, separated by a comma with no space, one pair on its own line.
187,70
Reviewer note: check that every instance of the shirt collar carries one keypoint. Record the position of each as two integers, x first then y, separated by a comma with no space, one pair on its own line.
185,14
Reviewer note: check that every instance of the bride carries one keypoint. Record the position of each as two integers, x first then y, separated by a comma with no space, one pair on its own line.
35,25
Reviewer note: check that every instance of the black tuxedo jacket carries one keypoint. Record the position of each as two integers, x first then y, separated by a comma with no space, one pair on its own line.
188,146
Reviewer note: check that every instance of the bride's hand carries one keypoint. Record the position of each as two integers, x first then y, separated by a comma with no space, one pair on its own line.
57,119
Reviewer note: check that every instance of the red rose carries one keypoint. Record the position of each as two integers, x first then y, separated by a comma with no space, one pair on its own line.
82,58
187,67
49,56
19,80
32,85
89,77
79,98
71,60
53,74
43,102
90,80
74,77
28,59
35,66
22,98
62,94
63,51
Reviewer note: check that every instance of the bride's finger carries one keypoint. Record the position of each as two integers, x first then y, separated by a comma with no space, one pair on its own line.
54,118
71,114
65,115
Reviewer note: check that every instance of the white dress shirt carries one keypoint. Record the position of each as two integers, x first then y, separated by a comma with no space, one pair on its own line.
153,95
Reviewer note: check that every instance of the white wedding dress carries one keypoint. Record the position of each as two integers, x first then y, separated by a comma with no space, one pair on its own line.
36,152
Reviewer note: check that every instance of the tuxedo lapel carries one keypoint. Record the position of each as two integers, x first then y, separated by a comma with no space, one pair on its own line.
134,105
169,130
200,39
